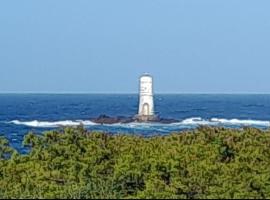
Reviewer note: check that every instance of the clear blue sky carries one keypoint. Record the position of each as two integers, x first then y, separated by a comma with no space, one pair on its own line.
103,46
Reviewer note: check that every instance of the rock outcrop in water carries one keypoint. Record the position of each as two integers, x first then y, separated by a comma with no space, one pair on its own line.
105,119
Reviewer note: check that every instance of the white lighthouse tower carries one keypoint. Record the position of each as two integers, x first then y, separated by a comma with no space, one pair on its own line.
146,99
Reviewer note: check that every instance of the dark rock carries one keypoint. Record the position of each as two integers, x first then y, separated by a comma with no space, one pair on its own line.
104,119
126,120
167,121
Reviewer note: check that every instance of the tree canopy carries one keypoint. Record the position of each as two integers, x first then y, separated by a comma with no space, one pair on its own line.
208,162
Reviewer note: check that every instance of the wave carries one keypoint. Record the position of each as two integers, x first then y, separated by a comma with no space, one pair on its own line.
241,122
189,122
46,124
220,121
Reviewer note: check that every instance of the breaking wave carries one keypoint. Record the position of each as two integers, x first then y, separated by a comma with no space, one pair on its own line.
220,121
241,122
189,122
46,124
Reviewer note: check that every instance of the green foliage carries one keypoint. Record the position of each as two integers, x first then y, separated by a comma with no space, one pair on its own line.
74,163
5,150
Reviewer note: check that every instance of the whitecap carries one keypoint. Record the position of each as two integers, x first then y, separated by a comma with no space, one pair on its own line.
186,123
47,124
241,122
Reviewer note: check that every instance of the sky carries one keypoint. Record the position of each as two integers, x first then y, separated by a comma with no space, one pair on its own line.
103,46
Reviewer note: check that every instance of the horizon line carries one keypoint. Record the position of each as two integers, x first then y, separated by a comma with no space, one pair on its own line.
128,93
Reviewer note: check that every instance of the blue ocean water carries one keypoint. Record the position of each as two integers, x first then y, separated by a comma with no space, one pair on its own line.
21,113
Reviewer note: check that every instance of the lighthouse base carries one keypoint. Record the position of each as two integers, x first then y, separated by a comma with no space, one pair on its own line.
146,118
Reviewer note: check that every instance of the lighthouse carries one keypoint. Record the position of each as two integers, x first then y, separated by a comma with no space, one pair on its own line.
146,99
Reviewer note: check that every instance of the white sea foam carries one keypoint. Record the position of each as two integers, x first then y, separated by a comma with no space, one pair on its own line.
189,122
195,121
241,122
47,124
217,121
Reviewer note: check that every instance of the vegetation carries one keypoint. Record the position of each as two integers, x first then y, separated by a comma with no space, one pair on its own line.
203,163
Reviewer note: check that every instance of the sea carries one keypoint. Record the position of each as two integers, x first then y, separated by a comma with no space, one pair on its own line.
22,113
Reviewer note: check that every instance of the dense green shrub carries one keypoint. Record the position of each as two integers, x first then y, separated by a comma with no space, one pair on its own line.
203,163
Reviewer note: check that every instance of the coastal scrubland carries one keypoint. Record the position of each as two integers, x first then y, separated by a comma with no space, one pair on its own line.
207,162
